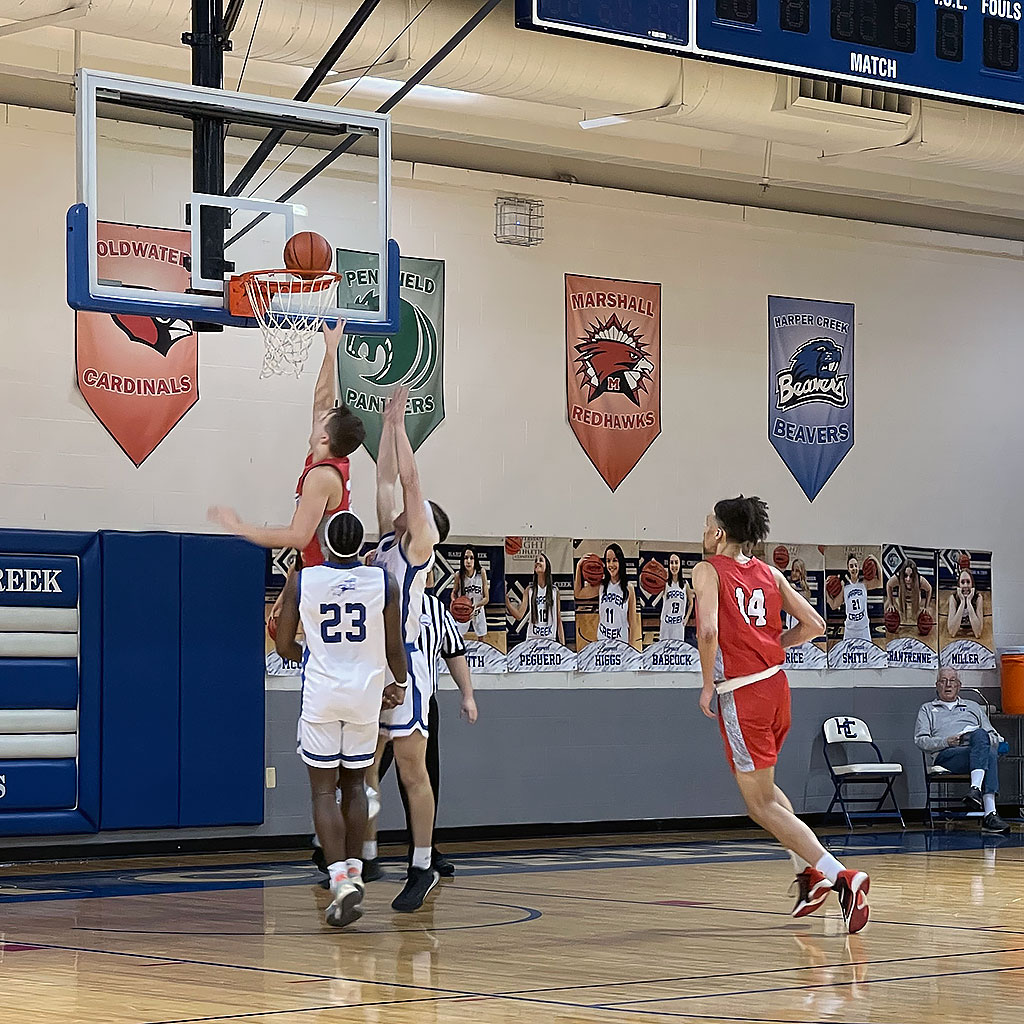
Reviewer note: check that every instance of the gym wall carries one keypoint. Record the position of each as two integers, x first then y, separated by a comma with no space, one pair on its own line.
934,464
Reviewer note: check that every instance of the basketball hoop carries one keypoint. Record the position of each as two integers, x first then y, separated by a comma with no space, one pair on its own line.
289,306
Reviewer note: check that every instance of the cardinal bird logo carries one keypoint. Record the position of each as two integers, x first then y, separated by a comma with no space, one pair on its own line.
156,332
613,358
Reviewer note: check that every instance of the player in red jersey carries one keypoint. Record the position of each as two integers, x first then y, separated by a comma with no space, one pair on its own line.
740,601
323,488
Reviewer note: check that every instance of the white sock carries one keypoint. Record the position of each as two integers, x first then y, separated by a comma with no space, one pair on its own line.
338,872
316,842
977,777
799,864
354,866
989,800
829,867
421,857
370,849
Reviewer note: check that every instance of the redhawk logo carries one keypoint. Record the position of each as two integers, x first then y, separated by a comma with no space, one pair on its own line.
156,332
612,358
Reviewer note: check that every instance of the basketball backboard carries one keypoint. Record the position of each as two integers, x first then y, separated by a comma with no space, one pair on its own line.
135,167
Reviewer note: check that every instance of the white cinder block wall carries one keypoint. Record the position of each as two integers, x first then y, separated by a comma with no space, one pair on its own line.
939,365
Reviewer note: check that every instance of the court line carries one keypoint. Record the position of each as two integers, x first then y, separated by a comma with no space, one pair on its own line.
987,929
806,988
531,914
768,971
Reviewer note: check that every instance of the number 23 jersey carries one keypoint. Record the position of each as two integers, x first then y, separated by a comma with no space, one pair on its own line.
342,613
749,616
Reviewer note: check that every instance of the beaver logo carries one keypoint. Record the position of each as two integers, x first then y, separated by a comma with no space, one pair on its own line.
812,376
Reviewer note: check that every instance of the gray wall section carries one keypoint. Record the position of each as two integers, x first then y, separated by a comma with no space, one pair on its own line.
551,756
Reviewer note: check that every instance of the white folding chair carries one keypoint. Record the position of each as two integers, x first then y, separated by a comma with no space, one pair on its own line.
845,731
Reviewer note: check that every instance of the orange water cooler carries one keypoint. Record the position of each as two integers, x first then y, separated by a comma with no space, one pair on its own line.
1013,680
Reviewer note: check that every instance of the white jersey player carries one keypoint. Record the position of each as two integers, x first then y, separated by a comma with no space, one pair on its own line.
350,617
407,549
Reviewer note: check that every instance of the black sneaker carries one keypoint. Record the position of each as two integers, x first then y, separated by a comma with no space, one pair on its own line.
993,823
442,865
320,861
419,884
973,799
372,870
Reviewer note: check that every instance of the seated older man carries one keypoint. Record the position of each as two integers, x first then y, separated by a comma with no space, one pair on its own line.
958,736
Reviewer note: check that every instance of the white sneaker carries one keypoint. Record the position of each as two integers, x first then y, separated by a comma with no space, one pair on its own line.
345,908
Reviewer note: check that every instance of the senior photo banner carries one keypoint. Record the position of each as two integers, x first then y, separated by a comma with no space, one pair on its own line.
965,609
613,370
370,367
911,606
810,386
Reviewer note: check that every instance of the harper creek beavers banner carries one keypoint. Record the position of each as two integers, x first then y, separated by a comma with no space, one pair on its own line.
139,374
371,366
613,370
810,387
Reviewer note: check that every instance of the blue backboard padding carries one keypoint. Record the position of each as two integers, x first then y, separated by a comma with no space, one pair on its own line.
38,581
141,628
222,682
38,785
38,683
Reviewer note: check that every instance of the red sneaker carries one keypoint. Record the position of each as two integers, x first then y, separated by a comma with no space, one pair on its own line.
812,891
852,889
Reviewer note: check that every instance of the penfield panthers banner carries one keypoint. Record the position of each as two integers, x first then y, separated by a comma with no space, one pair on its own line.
370,367
139,374
613,370
810,386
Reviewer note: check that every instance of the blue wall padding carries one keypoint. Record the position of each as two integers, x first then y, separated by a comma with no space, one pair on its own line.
43,785
38,683
90,666
222,682
141,628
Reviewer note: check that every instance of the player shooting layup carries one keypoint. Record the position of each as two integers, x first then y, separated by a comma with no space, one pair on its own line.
739,607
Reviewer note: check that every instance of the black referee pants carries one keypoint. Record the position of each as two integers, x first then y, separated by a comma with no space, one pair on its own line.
433,768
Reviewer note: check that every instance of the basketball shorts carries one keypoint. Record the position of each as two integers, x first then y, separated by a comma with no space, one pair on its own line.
411,716
754,721
478,624
337,744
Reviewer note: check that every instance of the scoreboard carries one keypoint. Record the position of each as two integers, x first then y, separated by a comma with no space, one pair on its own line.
962,50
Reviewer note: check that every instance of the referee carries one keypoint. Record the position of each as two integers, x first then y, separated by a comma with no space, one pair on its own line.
439,638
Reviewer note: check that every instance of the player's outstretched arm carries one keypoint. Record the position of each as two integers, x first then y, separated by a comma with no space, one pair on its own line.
323,391
419,521
288,621
316,493
809,624
705,588
519,612
387,472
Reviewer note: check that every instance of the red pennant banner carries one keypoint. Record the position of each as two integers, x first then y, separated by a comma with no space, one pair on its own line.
139,374
613,370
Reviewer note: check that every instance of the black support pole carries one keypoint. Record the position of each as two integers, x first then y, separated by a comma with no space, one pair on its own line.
310,86
208,41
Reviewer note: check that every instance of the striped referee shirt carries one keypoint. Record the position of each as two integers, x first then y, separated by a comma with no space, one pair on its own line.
439,636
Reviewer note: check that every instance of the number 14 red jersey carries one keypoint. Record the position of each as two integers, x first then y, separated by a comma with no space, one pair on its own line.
749,616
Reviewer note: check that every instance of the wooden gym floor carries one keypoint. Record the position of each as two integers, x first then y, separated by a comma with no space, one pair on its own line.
607,931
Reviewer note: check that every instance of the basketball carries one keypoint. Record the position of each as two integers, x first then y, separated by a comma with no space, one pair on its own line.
892,621
833,586
513,545
653,577
462,608
272,627
306,250
870,570
592,569
965,560
780,556
925,623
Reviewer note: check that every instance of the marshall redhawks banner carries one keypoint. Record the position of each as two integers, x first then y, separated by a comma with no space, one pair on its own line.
810,386
139,374
371,366
613,370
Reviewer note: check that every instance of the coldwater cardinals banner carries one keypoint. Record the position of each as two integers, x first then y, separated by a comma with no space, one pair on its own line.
810,386
139,374
613,370
370,367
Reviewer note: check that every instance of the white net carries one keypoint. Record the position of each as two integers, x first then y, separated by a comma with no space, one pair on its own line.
290,308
